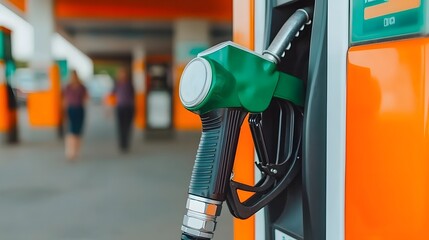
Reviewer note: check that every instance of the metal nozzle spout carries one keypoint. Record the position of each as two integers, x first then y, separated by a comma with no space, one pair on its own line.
287,33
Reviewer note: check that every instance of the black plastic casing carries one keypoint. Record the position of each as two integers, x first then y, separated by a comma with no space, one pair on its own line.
215,156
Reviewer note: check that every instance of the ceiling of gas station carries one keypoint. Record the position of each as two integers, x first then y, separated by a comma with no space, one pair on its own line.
144,9
115,27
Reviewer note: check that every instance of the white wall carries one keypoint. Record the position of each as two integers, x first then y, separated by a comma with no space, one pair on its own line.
22,33
23,43
63,49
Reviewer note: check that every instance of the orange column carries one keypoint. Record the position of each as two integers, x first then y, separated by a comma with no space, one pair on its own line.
4,110
243,34
387,142
20,4
139,80
45,107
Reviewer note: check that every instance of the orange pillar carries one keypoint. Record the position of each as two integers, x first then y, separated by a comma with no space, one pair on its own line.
139,81
45,107
4,110
8,113
20,4
243,34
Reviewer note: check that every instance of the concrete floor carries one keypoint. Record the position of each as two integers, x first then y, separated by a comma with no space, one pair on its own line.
103,196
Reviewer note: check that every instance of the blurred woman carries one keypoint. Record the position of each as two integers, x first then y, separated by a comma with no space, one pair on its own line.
124,92
75,95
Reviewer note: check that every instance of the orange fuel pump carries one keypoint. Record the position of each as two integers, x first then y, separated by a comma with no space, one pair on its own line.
8,104
364,172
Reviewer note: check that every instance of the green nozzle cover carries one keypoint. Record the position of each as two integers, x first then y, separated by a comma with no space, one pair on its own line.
244,79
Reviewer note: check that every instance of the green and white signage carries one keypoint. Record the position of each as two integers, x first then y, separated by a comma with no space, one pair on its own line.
373,20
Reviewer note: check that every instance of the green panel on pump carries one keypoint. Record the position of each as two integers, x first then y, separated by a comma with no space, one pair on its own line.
5,44
64,70
10,70
375,20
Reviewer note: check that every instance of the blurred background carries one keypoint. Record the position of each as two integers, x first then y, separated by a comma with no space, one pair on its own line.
103,192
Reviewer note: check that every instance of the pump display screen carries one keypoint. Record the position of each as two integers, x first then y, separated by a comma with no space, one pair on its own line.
375,20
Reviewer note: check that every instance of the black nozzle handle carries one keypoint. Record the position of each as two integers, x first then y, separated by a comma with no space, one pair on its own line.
212,171
216,153
287,33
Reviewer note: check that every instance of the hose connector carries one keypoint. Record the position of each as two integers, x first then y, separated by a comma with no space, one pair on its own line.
200,217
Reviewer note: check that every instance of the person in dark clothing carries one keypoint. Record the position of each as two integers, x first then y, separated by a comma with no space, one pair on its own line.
75,95
124,92
12,106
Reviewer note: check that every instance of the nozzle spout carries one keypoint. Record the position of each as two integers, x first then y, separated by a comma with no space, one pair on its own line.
287,33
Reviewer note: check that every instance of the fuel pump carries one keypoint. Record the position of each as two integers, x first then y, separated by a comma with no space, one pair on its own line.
223,85
351,163
158,109
8,103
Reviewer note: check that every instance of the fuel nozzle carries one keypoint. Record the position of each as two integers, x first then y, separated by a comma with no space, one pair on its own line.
291,29
222,85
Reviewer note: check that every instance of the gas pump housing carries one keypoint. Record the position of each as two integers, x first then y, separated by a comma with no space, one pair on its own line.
299,212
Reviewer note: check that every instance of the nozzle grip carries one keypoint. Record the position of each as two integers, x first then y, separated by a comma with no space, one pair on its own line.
216,153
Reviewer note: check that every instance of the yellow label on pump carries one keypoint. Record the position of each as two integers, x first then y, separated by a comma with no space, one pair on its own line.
390,7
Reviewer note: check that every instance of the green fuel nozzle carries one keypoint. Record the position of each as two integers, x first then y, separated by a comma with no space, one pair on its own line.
230,76
224,84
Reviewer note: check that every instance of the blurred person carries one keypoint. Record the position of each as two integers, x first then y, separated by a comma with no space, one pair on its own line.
75,96
124,93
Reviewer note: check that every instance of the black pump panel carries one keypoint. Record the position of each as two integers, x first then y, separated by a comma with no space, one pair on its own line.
299,212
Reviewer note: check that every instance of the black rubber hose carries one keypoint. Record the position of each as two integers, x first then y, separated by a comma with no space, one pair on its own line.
187,237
